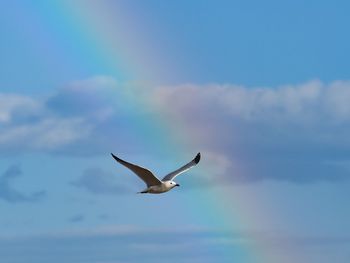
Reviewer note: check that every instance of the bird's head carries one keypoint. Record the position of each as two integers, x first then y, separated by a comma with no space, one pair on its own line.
173,184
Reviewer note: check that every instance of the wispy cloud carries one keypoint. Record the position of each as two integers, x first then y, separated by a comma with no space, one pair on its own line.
95,98
10,194
100,182
77,218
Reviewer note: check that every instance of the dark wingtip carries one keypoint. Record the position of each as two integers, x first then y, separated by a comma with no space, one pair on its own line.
115,157
197,158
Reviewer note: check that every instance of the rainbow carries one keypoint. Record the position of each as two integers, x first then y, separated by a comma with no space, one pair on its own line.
108,32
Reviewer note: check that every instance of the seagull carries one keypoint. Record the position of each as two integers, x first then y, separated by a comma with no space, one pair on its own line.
154,185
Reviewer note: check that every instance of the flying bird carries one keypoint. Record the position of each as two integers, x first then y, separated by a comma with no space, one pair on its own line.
154,185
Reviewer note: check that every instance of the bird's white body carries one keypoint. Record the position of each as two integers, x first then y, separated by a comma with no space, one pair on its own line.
160,188
155,185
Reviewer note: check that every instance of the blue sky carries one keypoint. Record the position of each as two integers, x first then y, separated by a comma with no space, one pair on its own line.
261,88
254,43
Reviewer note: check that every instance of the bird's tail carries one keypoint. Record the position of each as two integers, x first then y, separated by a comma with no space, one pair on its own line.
143,192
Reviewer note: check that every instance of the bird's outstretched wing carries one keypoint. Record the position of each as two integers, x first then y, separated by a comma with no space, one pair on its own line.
146,175
183,169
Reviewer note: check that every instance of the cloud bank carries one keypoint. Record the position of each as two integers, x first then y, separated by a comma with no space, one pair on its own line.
85,118
122,244
127,243
297,133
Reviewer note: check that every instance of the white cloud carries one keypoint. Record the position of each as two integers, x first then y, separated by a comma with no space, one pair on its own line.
11,104
46,134
305,102
265,130
59,121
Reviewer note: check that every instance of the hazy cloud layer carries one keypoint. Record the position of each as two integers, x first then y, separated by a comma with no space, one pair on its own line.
9,194
297,133
186,244
121,244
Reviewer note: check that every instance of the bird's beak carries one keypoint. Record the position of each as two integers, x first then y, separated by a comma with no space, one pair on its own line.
177,185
